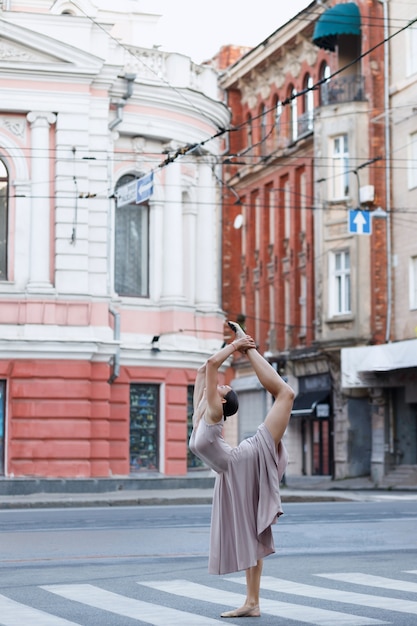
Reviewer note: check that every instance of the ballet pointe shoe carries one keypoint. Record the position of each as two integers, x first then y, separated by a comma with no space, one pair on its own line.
244,611
239,332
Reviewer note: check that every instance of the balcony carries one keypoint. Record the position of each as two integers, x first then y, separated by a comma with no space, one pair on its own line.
343,89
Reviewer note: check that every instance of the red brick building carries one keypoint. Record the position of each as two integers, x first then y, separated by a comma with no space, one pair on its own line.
304,153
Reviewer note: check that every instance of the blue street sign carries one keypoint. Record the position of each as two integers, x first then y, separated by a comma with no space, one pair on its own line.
136,191
360,222
144,188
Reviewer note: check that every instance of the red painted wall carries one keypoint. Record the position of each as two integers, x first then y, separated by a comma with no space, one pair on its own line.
64,419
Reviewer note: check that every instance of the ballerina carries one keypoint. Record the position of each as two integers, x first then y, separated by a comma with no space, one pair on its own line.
246,499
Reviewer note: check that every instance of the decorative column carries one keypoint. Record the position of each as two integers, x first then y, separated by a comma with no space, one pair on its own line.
39,277
172,272
206,241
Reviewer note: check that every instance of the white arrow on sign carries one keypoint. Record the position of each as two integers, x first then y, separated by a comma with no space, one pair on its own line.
360,222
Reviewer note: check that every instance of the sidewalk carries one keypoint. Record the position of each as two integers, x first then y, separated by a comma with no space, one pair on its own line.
37,493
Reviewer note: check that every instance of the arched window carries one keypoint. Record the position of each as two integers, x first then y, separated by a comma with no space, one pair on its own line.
249,139
324,83
264,131
4,202
278,115
131,271
294,115
308,104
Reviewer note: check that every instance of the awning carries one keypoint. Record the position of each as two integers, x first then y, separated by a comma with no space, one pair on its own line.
382,358
342,19
305,404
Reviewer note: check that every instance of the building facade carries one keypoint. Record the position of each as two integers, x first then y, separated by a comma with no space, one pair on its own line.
110,240
312,187
382,377
269,243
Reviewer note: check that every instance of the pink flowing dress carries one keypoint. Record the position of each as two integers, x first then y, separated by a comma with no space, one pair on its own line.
246,498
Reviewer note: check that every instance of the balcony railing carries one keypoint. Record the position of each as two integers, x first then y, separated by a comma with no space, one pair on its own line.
343,89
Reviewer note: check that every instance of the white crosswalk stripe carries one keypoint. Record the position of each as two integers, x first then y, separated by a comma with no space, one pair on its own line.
306,614
14,613
369,580
336,595
154,614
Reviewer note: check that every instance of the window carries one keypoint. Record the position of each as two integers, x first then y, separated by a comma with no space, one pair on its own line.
131,247
249,140
339,175
263,129
4,197
294,115
413,282
308,106
144,412
412,162
324,83
339,283
280,140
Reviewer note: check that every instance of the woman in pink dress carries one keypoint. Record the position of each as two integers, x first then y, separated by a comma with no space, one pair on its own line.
246,498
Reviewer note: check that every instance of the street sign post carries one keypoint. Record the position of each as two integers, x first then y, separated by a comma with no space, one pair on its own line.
359,222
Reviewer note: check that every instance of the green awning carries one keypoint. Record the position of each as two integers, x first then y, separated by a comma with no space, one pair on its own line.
342,19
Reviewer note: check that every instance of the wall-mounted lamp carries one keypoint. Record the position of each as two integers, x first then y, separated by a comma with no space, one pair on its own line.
155,344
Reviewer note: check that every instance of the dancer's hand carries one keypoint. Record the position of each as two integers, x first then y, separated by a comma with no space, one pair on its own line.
243,344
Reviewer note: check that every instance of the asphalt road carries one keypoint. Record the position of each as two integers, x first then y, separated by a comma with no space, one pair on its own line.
337,564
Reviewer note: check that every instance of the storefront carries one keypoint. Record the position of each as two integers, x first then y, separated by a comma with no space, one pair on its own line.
386,376
312,424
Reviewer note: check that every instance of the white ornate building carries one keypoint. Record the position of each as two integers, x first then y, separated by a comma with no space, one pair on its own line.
107,306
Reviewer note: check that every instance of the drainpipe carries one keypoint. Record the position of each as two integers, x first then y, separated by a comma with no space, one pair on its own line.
116,336
130,78
387,172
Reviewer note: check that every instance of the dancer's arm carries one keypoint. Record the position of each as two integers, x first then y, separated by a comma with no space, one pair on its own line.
279,414
214,401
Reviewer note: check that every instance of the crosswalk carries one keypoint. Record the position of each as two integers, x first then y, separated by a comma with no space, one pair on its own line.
326,600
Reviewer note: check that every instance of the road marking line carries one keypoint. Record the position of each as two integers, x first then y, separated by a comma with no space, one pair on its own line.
336,595
154,614
306,614
373,581
14,613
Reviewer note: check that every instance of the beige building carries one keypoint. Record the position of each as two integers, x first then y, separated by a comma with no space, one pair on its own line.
387,373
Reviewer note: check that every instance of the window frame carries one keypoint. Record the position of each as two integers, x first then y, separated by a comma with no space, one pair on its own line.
141,277
293,114
340,284
308,104
339,168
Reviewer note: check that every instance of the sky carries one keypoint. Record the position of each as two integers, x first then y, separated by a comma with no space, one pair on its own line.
199,29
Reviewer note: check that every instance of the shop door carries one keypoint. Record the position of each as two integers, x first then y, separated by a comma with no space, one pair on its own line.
321,447
317,447
144,431
2,427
